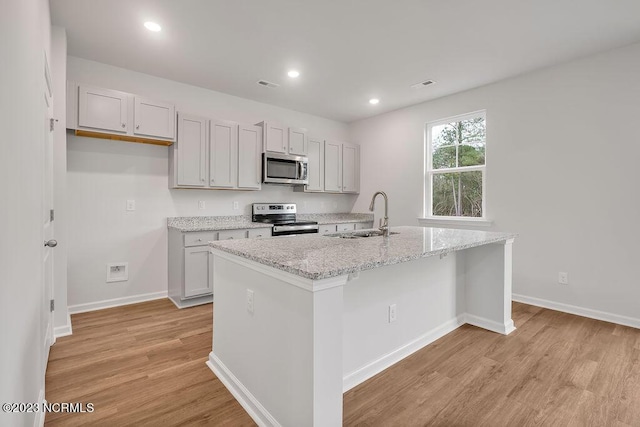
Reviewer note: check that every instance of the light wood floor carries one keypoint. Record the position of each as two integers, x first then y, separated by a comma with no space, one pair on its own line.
144,365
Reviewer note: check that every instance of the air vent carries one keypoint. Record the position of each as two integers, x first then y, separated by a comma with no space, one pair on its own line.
422,84
267,84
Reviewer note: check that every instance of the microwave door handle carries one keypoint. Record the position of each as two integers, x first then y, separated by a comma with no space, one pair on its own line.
300,170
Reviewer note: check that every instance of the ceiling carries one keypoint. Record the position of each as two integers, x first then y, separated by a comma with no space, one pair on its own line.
347,51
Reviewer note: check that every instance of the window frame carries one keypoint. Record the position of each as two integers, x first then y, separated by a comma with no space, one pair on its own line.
429,171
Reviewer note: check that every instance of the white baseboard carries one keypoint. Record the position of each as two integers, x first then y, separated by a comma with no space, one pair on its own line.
481,322
39,420
364,373
580,311
116,302
254,408
64,330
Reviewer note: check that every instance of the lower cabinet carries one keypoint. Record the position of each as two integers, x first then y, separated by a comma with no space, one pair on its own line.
191,264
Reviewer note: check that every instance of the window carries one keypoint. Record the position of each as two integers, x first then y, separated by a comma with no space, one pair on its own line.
455,167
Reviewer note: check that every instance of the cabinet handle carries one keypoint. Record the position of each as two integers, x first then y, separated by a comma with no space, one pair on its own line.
202,179
124,125
284,148
230,238
199,240
137,126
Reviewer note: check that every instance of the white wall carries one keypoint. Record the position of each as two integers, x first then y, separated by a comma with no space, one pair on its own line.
103,174
562,171
24,35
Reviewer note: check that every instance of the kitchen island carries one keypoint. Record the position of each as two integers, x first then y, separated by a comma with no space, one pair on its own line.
300,320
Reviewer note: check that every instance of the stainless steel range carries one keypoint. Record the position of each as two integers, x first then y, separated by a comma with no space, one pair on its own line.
283,218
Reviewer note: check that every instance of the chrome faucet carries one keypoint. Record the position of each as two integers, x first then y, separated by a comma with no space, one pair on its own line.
384,222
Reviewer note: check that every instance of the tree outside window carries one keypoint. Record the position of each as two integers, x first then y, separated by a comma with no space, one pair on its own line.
456,166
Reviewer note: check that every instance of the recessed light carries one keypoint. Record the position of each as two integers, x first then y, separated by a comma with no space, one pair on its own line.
152,26
374,101
293,73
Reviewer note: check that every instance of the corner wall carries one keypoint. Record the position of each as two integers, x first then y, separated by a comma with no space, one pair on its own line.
562,171
103,174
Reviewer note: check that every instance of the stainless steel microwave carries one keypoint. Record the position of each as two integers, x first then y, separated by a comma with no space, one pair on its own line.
284,169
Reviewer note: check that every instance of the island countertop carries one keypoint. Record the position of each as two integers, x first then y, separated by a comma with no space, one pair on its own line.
321,257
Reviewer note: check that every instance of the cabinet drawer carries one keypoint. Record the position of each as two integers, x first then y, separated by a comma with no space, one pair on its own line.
327,229
199,238
258,233
346,227
232,234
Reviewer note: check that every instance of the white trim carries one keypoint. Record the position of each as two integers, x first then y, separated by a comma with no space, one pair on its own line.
458,169
481,322
248,401
455,220
39,419
375,367
579,311
293,279
116,302
64,330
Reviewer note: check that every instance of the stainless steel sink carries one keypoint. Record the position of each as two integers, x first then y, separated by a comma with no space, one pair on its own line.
359,234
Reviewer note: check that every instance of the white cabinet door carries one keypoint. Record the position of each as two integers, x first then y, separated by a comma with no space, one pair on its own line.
275,138
327,228
332,166
298,141
190,151
346,227
153,118
316,165
198,271
102,109
350,168
249,157
223,154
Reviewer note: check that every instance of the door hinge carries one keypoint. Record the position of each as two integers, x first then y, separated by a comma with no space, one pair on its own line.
51,215
52,305
51,124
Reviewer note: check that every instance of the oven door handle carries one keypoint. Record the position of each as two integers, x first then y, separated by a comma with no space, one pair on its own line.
277,228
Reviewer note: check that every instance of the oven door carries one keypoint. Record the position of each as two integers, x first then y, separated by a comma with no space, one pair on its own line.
289,230
284,169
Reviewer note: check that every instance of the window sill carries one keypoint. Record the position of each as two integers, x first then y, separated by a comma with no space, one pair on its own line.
456,221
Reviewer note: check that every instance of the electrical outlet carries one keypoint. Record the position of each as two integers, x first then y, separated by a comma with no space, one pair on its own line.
563,278
201,204
392,313
131,205
250,301
236,206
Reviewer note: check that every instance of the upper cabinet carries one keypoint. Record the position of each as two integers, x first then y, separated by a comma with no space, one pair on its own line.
249,157
215,154
153,118
285,140
103,109
334,167
111,114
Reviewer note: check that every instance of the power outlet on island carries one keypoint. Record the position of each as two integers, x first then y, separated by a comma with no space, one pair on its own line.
393,313
563,278
250,301
202,204
236,206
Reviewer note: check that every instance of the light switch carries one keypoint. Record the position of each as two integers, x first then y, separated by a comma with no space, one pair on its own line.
131,205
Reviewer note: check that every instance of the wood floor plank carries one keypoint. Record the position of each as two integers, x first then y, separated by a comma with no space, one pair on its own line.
144,365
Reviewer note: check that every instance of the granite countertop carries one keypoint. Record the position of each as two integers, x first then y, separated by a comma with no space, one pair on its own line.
214,223
320,257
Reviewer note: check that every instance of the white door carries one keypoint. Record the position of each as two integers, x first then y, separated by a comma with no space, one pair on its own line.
47,224
102,109
298,141
223,154
198,268
316,165
191,150
153,118
350,168
249,158
275,138
332,166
